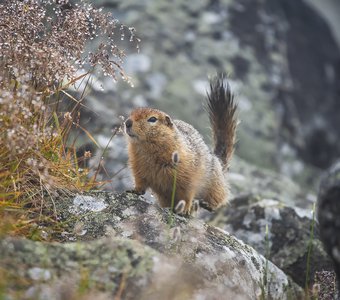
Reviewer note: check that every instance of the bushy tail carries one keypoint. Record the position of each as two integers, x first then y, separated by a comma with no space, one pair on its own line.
222,114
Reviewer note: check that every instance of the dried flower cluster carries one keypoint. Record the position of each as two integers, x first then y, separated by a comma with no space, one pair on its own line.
42,52
43,42
29,145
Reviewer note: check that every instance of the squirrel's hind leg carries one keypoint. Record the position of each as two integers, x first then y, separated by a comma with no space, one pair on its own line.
216,195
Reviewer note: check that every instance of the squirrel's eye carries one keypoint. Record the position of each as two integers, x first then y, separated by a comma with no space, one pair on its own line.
152,119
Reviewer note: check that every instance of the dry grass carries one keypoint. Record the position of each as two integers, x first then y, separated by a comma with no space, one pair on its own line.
42,54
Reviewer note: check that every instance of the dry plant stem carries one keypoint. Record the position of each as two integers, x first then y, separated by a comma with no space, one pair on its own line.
121,288
120,170
103,153
265,282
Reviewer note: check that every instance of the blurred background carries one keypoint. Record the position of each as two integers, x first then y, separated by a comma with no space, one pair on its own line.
283,62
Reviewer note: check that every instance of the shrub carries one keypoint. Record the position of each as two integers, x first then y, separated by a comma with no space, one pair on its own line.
43,53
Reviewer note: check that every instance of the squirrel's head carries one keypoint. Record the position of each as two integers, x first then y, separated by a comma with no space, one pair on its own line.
148,124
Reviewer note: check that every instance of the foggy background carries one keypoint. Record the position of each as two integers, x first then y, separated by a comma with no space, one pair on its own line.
283,62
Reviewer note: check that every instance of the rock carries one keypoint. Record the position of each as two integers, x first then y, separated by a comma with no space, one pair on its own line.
102,265
280,232
129,247
330,10
137,63
328,216
248,179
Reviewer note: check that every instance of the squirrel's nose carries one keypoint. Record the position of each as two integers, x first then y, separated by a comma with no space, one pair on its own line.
128,123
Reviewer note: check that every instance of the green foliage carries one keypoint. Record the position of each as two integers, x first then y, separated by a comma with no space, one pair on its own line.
309,255
265,284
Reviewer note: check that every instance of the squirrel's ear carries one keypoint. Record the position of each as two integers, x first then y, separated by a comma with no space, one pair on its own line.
168,121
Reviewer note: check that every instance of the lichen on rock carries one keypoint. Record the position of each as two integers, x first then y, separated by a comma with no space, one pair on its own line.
131,241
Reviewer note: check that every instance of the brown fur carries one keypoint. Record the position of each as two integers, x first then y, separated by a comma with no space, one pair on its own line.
221,109
199,172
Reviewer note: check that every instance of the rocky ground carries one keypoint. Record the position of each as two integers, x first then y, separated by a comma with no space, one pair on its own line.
128,247
122,245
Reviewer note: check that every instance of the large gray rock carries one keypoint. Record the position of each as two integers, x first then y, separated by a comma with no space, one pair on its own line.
278,231
69,271
328,215
247,179
147,252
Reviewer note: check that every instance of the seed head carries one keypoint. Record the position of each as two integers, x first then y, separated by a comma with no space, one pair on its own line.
87,154
176,234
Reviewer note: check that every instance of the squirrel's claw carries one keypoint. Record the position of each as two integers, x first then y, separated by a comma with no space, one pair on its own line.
195,208
179,209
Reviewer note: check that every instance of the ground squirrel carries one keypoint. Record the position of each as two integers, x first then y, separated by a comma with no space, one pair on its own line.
153,138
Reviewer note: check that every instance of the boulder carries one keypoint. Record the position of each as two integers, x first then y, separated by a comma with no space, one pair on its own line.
119,244
328,216
287,235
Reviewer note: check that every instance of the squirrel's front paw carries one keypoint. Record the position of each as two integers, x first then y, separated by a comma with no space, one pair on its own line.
180,207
